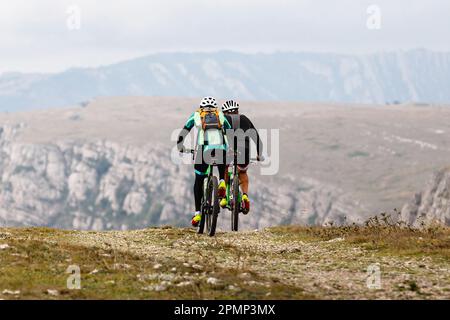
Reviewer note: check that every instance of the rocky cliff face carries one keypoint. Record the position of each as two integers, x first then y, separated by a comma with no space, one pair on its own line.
432,205
100,184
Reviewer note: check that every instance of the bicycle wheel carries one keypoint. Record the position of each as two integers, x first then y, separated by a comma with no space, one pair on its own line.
211,220
201,224
235,208
205,208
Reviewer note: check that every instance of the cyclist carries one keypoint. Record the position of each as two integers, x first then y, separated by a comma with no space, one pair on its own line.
239,140
211,144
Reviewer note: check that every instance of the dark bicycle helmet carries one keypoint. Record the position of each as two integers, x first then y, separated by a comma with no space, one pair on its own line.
230,105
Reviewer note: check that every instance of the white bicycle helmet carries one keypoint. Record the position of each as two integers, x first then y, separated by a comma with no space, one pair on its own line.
208,102
230,105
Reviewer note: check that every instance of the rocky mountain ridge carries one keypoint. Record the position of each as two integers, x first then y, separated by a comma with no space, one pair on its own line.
105,185
432,205
390,77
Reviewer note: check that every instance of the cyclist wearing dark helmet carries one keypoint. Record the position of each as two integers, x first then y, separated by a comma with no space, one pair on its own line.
239,140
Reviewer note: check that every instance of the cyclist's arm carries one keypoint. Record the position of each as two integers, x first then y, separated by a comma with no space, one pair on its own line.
226,123
226,126
255,137
185,131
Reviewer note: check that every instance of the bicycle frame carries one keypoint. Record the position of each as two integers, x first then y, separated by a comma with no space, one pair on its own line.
210,205
233,174
209,170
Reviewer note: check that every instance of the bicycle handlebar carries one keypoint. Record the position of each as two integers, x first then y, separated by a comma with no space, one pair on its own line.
191,151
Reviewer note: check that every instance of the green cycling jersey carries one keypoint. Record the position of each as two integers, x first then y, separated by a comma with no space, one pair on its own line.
209,139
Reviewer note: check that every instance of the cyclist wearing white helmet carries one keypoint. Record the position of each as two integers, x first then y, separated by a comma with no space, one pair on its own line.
241,144
208,102
211,141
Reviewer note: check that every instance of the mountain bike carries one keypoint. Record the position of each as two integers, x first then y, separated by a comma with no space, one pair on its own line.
210,201
234,194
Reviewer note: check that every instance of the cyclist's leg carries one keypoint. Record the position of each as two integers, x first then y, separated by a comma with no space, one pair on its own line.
200,169
228,158
222,169
242,168
226,174
221,161
243,181
221,166
200,175
224,201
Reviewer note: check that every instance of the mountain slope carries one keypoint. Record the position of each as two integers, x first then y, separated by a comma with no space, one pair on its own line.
417,75
105,185
108,165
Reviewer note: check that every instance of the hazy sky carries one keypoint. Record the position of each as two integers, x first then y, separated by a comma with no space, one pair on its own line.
34,34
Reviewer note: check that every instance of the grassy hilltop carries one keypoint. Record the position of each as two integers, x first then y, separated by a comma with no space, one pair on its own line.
275,263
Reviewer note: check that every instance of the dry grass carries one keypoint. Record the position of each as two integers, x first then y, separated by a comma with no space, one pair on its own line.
384,235
37,260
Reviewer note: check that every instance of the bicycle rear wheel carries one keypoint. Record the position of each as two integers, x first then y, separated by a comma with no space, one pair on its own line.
205,208
211,217
235,208
201,224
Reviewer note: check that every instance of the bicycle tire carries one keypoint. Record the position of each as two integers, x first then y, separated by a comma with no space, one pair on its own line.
204,209
214,187
201,224
236,205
